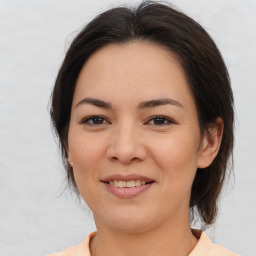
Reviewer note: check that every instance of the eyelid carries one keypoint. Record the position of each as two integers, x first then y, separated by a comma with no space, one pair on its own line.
170,121
85,121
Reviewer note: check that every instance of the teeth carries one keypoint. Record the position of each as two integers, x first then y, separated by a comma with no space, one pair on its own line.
121,184
137,183
130,184
127,184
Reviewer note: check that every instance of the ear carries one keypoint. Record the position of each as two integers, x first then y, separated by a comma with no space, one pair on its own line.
210,143
69,157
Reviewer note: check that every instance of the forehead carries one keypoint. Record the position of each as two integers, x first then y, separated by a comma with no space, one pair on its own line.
137,70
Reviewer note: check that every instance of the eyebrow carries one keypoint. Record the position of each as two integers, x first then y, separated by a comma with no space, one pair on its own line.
142,105
95,102
159,102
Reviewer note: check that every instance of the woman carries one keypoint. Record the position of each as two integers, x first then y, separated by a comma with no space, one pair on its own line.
143,109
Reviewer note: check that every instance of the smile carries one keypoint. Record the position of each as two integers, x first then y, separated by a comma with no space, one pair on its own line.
127,184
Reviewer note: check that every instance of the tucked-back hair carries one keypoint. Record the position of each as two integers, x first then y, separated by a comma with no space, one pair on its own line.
203,66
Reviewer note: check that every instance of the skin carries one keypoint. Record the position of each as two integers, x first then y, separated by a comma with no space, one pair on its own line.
127,140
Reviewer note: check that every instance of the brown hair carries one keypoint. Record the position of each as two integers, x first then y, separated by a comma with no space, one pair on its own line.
204,68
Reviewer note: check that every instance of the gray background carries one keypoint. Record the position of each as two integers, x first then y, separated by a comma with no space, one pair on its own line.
36,218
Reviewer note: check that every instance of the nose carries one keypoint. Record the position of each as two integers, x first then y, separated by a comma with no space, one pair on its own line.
126,145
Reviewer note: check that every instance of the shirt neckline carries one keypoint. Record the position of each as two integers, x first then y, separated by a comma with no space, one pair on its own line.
202,248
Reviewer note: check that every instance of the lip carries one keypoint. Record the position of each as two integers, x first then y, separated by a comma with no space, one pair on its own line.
127,193
126,177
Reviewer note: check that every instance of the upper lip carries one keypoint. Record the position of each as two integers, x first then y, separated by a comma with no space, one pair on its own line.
126,177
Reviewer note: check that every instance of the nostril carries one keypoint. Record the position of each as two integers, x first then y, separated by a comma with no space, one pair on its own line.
114,159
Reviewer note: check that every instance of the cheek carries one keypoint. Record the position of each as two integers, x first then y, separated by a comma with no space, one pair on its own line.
85,151
177,160
86,155
176,148
177,157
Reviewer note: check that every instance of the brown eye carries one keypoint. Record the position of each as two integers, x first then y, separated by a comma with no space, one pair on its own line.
95,120
160,120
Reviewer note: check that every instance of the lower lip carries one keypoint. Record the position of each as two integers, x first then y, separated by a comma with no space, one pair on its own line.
127,192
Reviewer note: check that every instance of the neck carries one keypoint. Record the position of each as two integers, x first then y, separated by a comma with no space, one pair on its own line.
176,240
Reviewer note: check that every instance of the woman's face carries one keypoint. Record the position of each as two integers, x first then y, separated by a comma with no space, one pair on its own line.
134,137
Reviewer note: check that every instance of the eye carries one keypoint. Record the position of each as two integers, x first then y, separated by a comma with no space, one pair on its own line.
160,121
95,120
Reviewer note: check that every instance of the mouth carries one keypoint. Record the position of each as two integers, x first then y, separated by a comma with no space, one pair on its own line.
127,184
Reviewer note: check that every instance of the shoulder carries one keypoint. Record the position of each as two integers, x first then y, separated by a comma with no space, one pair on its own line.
81,249
71,251
219,250
205,247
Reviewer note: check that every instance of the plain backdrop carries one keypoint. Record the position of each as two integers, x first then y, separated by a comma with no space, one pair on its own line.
36,216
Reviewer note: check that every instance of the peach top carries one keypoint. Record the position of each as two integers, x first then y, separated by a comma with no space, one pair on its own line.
204,247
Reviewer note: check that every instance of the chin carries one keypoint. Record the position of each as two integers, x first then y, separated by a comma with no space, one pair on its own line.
130,227
126,221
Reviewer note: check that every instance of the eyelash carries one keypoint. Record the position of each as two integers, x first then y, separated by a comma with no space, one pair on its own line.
169,121
90,118
93,118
